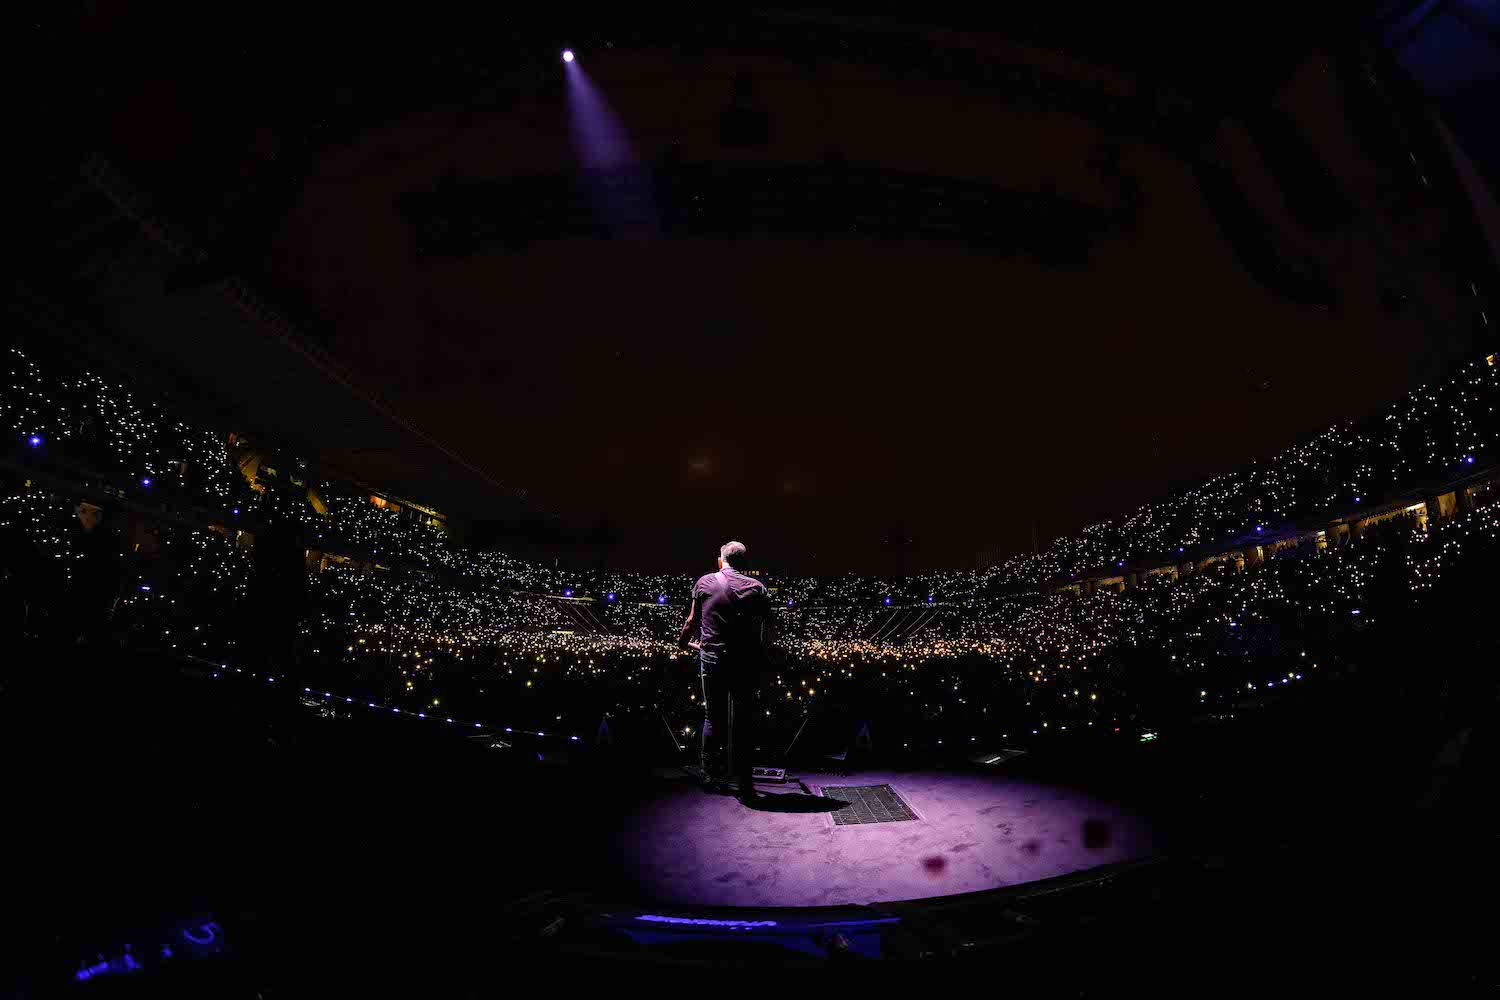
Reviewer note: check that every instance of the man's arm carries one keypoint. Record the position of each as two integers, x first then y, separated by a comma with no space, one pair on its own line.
690,626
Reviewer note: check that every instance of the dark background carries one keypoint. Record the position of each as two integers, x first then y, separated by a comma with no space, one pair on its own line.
871,400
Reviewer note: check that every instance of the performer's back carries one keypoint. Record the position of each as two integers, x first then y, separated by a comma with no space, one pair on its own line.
733,609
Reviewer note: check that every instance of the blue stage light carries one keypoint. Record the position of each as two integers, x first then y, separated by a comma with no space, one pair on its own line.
145,480
887,600
567,55
36,440
611,596
567,593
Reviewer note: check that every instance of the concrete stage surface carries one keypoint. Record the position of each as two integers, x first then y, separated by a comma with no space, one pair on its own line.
974,831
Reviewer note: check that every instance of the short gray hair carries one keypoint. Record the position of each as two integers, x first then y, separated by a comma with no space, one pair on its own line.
730,550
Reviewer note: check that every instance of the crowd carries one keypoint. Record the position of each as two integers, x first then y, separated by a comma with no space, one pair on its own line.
404,617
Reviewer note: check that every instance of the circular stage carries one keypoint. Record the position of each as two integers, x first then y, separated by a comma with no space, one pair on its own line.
873,837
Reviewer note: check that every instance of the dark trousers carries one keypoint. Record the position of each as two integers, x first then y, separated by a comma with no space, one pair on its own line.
728,720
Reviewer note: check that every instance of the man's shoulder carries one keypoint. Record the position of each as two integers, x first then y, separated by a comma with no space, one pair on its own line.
702,581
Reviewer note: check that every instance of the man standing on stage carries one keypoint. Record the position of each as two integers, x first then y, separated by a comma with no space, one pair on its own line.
732,613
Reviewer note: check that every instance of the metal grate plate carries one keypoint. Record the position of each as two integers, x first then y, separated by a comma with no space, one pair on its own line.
869,804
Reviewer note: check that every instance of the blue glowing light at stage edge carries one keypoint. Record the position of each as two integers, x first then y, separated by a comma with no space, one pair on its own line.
703,922
198,940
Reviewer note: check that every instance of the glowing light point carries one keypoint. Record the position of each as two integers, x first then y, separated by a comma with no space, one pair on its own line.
567,55
145,480
36,442
611,595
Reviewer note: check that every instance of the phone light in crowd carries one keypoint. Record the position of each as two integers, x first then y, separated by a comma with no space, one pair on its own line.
929,598
36,441
788,603
236,511
1258,529
567,55
887,600
567,593
145,480
611,596
661,599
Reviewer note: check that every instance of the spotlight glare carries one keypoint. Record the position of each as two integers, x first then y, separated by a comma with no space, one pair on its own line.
567,55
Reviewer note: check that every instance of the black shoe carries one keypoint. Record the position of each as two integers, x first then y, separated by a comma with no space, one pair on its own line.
715,786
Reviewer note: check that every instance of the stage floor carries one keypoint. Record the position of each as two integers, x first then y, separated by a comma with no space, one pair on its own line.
973,831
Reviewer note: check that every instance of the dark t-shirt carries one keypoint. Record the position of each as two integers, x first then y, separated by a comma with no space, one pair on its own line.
732,608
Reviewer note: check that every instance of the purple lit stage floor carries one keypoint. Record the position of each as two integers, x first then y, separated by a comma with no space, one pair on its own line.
974,832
